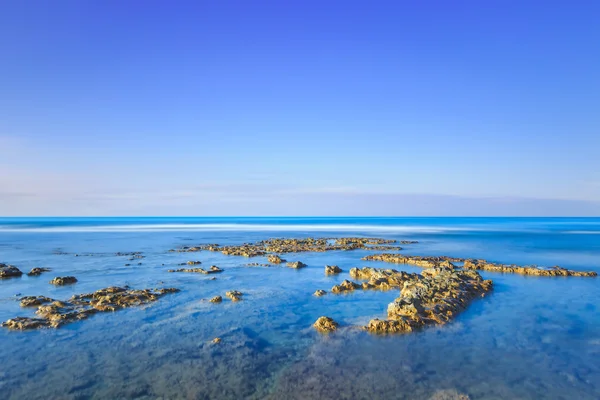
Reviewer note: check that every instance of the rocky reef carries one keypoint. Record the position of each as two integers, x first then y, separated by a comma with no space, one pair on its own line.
332,270
78,307
213,270
476,264
38,271
325,325
30,301
9,271
434,297
63,280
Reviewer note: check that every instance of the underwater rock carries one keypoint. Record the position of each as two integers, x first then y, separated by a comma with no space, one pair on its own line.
216,299
9,271
320,292
325,324
38,271
234,295
29,301
81,306
63,280
213,270
257,265
194,262
345,286
449,394
435,297
296,264
332,270
275,259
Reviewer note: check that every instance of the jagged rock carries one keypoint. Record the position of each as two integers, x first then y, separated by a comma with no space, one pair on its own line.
390,326
449,394
320,292
194,262
63,280
38,271
213,270
9,271
296,264
81,306
216,340
345,286
216,299
29,301
325,324
234,295
275,259
332,270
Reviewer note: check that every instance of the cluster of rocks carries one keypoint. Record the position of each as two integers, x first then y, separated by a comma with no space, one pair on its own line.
265,247
434,297
476,264
53,313
275,259
320,292
63,280
332,270
213,270
234,295
9,271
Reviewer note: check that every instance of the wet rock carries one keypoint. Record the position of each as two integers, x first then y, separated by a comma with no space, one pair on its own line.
38,271
216,340
332,270
320,292
449,394
296,264
9,271
192,263
81,306
234,295
345,286
325,325
213,270
390,326
381,279
216,299
275,259
257,265
29,301
63,280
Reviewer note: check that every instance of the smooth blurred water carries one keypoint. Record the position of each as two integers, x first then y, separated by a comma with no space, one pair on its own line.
532,338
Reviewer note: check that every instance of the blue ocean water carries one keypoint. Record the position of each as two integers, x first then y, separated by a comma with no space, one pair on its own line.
532,338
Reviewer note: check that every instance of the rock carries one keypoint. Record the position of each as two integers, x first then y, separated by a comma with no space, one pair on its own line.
79,307
296,264
234,295
216,299
9,271
346,286
29,301
320,292
449,394
213,270
63,280
216,340
379,326
194,262
332,270
38,271
325,324
275,259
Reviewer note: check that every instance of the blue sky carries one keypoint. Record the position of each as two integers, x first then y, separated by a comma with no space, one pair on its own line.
299,108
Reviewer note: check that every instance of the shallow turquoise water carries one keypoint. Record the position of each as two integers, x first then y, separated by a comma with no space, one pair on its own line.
532,338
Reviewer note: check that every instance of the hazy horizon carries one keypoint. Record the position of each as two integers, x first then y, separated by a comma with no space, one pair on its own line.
308,109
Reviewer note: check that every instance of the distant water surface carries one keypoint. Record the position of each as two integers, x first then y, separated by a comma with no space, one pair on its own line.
532,338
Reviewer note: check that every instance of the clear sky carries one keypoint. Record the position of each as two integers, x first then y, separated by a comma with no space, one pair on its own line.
113,107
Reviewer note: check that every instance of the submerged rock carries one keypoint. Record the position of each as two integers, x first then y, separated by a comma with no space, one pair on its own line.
63,280
275,259
79,307
9,271
296,264
325,324
213,270
216,340
320,292
38,271
332,270
234,295
216,299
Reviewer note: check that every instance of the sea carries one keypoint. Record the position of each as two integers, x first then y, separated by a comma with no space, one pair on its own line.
531,338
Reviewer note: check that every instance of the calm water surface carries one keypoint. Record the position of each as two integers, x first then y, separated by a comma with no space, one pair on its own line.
532,338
